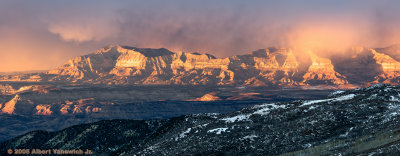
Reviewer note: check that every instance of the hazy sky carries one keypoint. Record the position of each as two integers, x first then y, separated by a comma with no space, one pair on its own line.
36,35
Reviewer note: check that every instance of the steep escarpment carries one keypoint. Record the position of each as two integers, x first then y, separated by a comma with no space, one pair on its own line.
121,65
321,71
390,68
272,67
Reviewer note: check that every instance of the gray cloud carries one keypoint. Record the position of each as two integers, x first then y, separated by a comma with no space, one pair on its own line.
45,34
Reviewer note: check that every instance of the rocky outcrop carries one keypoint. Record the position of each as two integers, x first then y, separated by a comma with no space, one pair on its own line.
278,67
207,97
6,89
390,68
9,107
18,105
321,71
43,110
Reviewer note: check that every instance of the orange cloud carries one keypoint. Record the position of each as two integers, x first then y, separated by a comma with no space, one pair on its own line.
82,31
328,36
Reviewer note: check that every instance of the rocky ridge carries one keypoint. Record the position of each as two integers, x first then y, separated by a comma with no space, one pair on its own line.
124,65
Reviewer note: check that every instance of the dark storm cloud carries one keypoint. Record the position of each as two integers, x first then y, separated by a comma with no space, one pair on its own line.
44,34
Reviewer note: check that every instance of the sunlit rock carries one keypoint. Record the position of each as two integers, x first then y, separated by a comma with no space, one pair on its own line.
276,66
321,71
43,110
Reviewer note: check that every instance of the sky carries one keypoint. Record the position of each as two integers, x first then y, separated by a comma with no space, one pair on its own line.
41,35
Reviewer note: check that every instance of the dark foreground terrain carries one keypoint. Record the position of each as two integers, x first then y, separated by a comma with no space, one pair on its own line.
28,106
14,125
354,122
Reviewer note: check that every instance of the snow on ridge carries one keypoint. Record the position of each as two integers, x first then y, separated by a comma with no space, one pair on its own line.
345,97
394,98
183,134
265,105
387,89
393,109
373,96
375,86
251,137
217,130
340,98
267,108
314,101
240,117
337,92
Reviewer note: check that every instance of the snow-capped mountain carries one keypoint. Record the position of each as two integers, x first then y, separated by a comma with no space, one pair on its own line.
353,122
122,65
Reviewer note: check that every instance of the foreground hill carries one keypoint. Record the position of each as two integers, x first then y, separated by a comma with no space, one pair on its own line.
361,121
123,65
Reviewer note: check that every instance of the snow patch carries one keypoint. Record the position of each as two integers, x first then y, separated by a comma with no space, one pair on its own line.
201,126
217,130
337,92
346,97
307,145
389,88
264,105
394,98
212,115
266,108
373,96
314,101
312,107
347,133
375,86
182,135
251,137
340,98
236,118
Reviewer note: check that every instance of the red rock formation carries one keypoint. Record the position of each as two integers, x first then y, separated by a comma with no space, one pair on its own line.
321,71
207,97
9,107
122,65
43,110
6,89
390,68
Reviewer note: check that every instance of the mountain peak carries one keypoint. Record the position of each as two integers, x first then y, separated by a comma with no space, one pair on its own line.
148,52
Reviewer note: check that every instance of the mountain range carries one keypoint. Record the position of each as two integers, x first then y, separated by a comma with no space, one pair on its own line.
275,66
